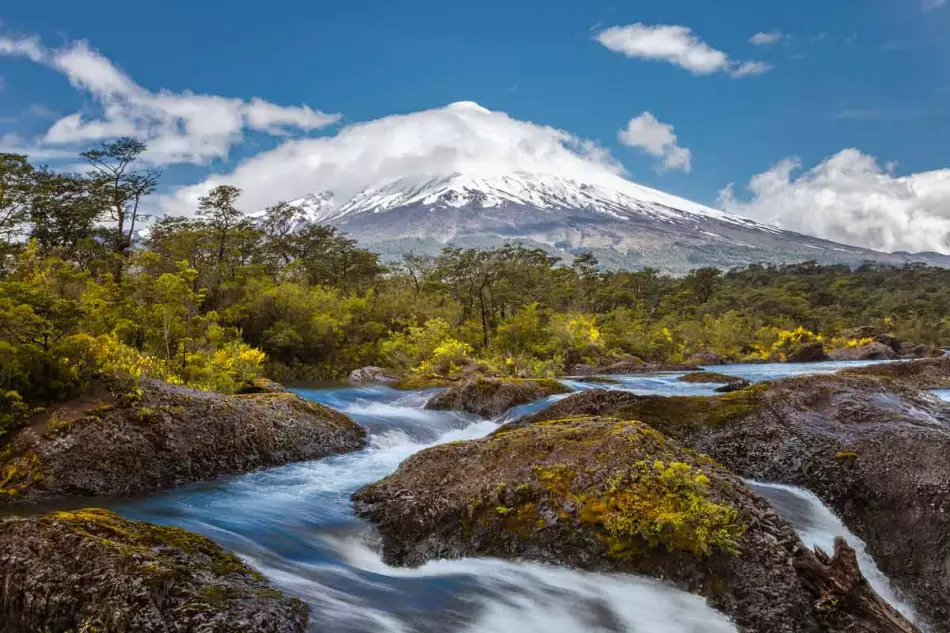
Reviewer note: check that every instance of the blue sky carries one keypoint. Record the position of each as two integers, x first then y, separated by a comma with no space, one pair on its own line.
868,74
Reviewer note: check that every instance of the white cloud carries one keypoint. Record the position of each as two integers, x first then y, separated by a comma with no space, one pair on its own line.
748,69
676,45
930,5
849,198
459,138
656,139
178,127
764,39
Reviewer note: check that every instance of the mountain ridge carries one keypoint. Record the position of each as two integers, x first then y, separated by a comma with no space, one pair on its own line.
621,222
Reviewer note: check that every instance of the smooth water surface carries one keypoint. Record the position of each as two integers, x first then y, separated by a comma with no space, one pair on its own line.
295,524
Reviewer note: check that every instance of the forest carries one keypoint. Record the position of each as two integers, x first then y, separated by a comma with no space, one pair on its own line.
219,298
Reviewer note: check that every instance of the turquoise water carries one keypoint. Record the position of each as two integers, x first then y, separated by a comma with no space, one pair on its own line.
295,524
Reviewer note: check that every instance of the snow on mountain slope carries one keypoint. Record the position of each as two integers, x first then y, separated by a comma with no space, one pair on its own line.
464,175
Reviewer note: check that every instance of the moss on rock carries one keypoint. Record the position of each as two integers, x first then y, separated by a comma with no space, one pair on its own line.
708,377
158,435
491,397
603,494
866,441
92,570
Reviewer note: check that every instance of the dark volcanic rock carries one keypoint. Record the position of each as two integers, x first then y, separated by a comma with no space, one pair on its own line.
608,495
871,351
371,375
161,435
872,449
632,366
261,385
708,377
931,373
734,386
490,397
808,353
597,380
707,358
91,570
910,350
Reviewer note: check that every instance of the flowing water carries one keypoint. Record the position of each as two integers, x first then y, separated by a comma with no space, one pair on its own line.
295,524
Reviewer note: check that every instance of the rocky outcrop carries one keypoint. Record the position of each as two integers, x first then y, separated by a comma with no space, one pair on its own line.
706,358
871,351
261,385
872,449
91,570
900,349
931,373
371,375
808,353
159,435
490,397
609,495
910,350
738,385
597,380
708,377
631,366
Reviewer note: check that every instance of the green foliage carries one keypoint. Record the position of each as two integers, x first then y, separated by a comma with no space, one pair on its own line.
212,299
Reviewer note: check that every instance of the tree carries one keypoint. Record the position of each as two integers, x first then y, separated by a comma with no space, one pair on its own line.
63,216
218,211
16,192
120,187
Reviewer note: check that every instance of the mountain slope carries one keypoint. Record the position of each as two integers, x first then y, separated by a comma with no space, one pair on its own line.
622,223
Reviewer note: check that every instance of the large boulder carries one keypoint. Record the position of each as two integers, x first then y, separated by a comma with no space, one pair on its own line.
871,351
616,496
808,353
371,375
706,358
910,350
872,449
931,373
708,377
261,385
159,435
91,570
490,397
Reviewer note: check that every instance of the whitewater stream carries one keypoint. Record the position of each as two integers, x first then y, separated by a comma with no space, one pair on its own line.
295,524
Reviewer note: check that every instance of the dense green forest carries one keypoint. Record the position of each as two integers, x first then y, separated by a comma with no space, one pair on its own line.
216,299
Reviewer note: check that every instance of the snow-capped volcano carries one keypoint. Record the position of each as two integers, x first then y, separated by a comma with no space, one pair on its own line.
623,223
464,175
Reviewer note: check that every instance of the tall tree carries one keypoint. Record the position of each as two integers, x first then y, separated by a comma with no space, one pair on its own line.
16,192
63,216
219,212
121,187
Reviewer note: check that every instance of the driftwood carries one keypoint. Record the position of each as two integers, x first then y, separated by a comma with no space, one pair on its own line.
844,600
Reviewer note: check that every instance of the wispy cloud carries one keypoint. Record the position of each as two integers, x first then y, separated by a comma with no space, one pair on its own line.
179,127
766,38
657,139
676,45
930,5
41,111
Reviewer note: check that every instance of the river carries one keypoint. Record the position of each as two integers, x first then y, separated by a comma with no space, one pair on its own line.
295,524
